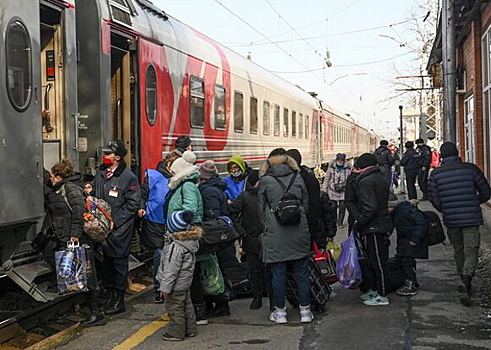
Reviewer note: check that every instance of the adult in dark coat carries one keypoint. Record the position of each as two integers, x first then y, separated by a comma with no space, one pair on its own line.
244,213
410,162
212,189
412,242
373,223
119,187
456,190
66,206
314,215
284,244
424,155
385,160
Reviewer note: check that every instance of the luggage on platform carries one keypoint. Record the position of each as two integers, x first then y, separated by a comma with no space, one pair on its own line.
319,289
239,276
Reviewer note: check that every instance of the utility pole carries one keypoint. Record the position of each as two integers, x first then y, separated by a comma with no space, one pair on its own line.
401,150
449,72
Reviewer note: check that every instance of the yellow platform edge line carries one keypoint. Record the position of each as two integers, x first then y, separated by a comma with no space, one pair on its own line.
143,333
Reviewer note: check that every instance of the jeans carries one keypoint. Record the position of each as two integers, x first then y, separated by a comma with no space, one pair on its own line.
301,270
156,265
338,206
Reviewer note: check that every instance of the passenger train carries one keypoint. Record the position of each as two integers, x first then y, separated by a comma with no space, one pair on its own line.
126,69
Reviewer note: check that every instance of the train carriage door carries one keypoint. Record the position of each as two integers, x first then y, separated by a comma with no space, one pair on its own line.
58,84
122,93
21,168
317,138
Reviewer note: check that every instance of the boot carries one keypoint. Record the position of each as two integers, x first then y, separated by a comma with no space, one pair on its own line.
408,289
464,289
221,309
257,302
110,298
96,317
200,311
118,306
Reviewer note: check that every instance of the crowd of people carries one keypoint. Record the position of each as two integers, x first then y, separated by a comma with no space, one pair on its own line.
280,210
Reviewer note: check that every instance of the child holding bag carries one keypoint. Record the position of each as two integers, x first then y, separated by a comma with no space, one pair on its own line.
176,274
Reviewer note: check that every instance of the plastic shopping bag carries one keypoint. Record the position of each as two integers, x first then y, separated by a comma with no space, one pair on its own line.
334,248
348,268
325,262
72,269
211,276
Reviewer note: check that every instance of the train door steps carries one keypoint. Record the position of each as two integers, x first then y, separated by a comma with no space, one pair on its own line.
25,275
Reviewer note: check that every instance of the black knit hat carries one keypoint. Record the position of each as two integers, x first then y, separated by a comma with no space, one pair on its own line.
384,143
418,141
366,160
183,141
409,144
448,149
253,177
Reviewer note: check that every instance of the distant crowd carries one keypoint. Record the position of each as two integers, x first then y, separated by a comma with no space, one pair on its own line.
279,211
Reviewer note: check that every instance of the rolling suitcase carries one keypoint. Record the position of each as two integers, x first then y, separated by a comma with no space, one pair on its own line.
319,289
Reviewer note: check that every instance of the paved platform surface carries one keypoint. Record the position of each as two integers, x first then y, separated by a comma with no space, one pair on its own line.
433,319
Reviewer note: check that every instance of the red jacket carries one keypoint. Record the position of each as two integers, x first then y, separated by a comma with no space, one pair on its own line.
435,159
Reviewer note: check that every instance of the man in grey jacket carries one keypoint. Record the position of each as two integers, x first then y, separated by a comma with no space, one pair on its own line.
284,244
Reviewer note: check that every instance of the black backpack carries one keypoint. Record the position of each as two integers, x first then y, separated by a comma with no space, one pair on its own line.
382,156
287,212
434,230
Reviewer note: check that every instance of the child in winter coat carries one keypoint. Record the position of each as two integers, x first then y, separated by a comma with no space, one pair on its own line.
412,242
176,274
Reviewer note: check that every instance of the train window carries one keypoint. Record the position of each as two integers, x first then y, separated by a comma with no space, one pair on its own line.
151,95
300,126
197,103
266,115
19,65
285,122
276,120
306,126
294,124
220,115
238,112
253,116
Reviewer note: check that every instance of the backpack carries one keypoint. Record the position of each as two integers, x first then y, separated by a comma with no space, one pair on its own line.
434,230
97,217
381,155
287,212
218,234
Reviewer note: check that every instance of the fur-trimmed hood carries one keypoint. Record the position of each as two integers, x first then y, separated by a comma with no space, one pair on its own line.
283,159
188,239
176,180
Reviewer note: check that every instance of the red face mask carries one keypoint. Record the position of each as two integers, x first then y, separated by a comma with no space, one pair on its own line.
107,162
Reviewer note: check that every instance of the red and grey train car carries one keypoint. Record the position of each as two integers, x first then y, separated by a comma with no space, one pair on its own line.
126,69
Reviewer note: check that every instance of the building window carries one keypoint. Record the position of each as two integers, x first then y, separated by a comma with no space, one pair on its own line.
151,95
19,65
253,116
276,120
197,103
220,109
300,126
266,118
238,112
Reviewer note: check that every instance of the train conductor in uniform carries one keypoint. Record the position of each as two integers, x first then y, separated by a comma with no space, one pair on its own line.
118,186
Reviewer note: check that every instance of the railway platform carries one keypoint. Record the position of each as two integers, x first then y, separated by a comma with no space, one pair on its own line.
433,319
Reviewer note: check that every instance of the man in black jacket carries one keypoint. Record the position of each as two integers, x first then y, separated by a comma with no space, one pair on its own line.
424,155
410,162
456,190
385,160
118,186
373,224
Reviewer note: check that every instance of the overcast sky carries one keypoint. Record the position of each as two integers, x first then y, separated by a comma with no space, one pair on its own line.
367,41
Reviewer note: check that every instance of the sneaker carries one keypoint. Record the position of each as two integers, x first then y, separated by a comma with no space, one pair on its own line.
157,298
306,316
369,295
168,337
278,315
408,289
202,322
379,300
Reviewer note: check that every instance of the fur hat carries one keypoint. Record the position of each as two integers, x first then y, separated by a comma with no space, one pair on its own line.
448,149
182,142
392,201
184,163
208,170
384,143
366,160
179,220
